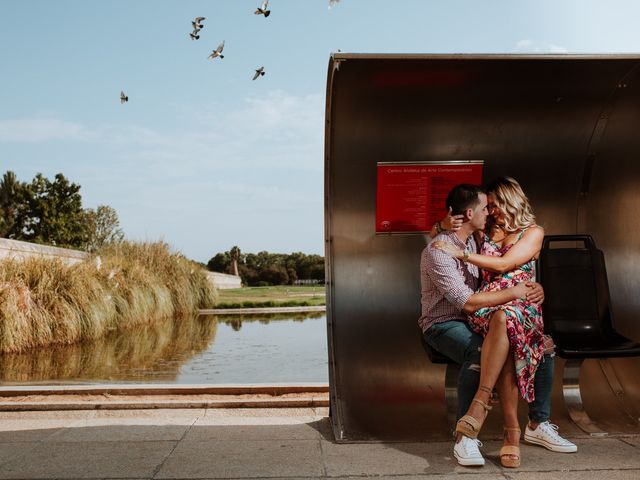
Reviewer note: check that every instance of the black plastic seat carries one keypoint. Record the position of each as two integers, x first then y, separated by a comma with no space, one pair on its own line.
577,307
577,314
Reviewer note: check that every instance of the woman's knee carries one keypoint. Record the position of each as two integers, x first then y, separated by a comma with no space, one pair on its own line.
498,320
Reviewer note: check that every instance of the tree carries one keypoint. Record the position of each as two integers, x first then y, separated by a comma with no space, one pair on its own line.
10,190
234,253
221,262
51,213
293,276
103,227
272,268
275,275
54,213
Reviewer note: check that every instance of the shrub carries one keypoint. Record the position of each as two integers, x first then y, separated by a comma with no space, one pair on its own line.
44,301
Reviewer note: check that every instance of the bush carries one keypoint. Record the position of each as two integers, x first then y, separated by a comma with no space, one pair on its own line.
44,301
273,268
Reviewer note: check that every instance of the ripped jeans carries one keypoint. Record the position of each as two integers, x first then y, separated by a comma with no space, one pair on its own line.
456,340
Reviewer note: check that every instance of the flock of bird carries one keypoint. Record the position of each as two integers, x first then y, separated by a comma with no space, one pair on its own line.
197,25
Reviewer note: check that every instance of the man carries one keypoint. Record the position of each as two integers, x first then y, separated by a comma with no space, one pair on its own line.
448,295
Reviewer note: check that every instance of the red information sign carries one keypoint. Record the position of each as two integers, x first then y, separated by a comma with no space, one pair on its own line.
411,196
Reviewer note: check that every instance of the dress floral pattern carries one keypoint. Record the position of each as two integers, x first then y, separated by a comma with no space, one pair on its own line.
525,328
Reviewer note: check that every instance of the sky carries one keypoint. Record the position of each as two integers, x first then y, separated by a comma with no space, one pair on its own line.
201,156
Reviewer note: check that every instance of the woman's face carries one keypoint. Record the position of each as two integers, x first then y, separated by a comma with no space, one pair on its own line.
494,211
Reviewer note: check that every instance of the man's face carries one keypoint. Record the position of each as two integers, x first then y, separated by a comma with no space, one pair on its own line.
479,214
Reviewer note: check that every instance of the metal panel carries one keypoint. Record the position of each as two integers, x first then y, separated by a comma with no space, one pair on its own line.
564,126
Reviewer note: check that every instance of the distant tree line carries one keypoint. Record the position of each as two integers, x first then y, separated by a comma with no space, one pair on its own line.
50,212
264,268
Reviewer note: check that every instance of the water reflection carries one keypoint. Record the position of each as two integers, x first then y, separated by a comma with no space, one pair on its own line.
152,351
182,350
235,321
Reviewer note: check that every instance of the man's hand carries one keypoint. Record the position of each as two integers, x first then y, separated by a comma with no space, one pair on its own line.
535,294
521,290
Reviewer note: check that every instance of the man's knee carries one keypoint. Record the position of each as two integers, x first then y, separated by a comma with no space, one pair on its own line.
472,353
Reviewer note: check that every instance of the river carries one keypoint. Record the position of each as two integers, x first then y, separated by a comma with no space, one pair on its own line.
206,349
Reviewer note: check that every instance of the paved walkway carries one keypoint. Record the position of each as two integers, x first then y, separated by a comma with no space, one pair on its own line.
262,443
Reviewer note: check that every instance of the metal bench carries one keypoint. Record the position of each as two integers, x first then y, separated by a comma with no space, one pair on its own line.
450,380
577,314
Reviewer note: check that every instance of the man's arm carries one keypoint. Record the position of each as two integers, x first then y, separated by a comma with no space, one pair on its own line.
491,299
442,269
531,291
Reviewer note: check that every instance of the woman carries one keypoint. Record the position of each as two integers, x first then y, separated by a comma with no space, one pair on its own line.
511,242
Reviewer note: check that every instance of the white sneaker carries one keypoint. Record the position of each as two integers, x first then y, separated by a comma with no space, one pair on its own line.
547,435
467,452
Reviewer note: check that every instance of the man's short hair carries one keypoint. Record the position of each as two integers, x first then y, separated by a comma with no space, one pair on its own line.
463,196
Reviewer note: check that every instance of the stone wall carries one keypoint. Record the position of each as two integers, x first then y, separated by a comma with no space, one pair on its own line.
22,250
223,280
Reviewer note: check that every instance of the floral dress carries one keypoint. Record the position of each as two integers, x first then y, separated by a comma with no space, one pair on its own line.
524,319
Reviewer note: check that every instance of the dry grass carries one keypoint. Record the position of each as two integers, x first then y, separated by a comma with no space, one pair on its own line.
45,302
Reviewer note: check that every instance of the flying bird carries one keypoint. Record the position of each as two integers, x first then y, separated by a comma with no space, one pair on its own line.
262,10
194,35
333,2
123,97
197,23
259,71
217,52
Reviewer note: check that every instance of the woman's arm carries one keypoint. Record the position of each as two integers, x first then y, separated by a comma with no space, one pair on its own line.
521,252
449,222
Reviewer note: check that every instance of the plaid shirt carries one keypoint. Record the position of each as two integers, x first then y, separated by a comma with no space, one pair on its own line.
447,283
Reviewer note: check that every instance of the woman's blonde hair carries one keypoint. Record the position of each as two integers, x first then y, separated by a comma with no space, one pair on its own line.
510,198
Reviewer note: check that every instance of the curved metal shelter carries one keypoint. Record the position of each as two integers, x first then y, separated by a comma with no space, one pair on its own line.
566,126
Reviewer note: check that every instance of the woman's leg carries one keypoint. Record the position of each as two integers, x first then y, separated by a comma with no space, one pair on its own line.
508,392
495,350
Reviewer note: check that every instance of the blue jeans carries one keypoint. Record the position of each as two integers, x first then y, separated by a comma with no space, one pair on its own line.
456,340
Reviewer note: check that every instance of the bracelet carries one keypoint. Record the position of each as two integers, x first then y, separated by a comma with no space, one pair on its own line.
465,256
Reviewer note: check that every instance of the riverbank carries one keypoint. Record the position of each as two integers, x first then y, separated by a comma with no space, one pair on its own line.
274,296
127,397
257,310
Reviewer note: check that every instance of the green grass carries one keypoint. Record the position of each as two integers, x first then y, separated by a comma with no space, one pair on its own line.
278,296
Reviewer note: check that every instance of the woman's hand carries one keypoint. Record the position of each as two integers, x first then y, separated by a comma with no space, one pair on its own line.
448,248
451,222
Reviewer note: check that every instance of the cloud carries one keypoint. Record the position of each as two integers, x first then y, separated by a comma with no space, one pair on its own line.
529,46
276,130
215,172
41,129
